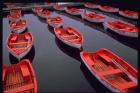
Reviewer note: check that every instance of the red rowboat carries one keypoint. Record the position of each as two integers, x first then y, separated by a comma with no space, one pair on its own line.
18,26
129,14
108,9
59,7
44,14
90,5
112,71
74,11
15,11
48,3
55,21
19,44
93,17
122,28
14,17
37,9
19,78
69,36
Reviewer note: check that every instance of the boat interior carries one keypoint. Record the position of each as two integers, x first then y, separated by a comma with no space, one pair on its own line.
17,78
121,25
70,35
56,20
104,66
19,41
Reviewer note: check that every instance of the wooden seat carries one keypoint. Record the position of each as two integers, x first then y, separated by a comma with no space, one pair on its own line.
69,37
110,72
27,36
24,70
18,43
105,57
75,40
21,88
14,38
127,85
89,60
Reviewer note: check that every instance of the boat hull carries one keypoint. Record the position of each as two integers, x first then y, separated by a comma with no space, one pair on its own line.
69,43
128,16
35,11
94,74
28,86
111,10
43,16
14,20
93,7
19,30
73,13
59,34
128,34
93,20
55,24
25,52
60,9
20,56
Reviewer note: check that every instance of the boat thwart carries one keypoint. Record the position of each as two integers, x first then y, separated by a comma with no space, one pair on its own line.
111,70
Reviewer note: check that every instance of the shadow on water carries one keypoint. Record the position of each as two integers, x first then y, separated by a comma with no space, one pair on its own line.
78,18
97,85
74,53
28,11
128,41
30,55
43,20
51,29
70,51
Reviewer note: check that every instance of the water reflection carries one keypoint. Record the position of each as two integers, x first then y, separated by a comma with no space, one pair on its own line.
97,85
30,56
70,51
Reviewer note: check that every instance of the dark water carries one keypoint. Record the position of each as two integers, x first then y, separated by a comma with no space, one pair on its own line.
59,67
